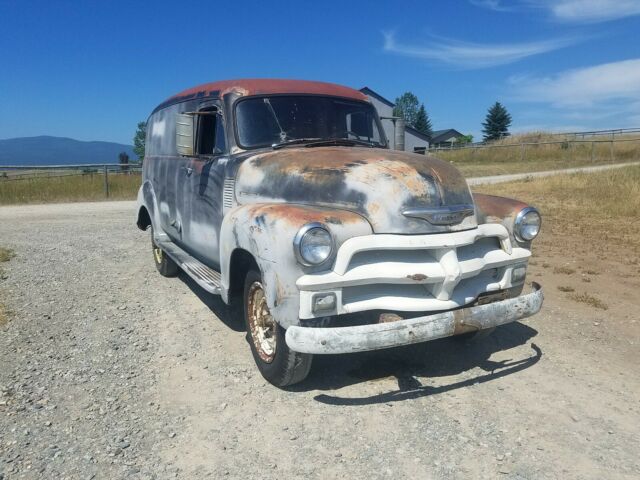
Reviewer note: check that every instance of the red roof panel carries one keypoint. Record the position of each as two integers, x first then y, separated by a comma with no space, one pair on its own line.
263,86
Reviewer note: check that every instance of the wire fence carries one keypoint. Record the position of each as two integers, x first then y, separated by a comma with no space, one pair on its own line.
109,175
551,150
612,135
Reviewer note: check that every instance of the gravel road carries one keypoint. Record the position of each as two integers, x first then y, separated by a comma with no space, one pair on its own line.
109,371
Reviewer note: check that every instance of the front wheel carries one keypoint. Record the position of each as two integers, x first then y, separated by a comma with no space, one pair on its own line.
277,363
165,265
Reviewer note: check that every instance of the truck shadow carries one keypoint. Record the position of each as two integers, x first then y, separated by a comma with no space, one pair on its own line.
439,358
227,315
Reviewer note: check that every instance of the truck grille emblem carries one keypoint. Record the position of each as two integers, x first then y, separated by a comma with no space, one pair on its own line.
446,215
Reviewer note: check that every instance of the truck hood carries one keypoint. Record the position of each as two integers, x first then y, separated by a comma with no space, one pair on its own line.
396,192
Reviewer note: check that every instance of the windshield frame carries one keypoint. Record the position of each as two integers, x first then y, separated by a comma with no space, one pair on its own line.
384,142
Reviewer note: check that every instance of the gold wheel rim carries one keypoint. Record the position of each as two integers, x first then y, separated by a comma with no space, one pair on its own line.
262,326
157,254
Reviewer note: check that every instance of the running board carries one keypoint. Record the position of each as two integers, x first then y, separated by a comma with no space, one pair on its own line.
206,277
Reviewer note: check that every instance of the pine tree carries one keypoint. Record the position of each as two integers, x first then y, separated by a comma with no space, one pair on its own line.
406,107
423,123
497,123
139,139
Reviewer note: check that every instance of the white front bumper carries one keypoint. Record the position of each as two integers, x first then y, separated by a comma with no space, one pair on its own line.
415,272
414,330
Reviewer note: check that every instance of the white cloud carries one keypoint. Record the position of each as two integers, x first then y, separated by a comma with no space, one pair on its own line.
591,11
495,5
589,86
597,97
573,11
473,55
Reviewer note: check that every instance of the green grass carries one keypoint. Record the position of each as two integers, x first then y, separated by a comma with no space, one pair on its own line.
73,188
507,156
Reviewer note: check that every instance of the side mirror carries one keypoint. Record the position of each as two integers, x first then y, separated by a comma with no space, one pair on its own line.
185,139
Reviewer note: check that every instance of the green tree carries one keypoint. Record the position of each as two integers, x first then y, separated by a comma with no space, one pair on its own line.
139,139
423,123
497,123
407,107
465,139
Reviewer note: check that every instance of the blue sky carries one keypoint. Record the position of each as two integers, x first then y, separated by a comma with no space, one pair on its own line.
90,70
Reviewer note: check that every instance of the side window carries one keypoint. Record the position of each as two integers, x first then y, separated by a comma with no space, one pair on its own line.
210,133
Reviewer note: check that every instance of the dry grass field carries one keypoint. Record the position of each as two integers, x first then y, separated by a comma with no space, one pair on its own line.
502,157
509,156
589,248
70,188
601,208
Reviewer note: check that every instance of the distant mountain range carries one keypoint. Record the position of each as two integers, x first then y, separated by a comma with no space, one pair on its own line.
46,150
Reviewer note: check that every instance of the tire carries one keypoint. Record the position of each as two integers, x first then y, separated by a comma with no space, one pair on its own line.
165,265
278,364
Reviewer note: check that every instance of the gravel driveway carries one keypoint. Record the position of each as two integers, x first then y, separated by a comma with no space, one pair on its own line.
108,371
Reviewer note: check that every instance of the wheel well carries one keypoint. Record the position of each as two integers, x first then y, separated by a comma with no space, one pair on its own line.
241,262
144,220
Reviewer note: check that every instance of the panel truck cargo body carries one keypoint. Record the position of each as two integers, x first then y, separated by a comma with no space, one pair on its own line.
282,197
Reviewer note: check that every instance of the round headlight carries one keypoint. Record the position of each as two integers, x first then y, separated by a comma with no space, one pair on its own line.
313,244
527,225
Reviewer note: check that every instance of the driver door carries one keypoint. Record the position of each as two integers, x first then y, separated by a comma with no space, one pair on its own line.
202,207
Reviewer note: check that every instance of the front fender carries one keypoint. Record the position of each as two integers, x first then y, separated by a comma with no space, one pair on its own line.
267,232
493,209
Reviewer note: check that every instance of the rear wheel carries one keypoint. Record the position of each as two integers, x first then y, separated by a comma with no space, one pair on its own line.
277,363
165,265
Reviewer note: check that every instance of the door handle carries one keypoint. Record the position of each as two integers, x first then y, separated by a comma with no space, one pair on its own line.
188,171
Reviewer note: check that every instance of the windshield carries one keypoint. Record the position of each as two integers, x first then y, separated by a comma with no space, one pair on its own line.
281,120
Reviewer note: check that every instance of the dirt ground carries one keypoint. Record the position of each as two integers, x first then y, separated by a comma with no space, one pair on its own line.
108,370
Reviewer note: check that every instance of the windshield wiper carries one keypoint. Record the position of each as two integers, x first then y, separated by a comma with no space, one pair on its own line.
349,142
294,141
283,134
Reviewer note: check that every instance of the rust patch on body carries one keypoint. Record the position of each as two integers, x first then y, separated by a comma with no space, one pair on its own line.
497,207
298,215
417,277
389,318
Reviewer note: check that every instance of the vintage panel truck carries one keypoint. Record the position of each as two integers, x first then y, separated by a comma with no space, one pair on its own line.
283,197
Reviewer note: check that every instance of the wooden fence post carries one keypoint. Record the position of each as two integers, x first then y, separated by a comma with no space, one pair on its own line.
106,182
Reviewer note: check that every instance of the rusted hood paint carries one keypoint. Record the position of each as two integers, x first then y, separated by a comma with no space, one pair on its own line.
376,183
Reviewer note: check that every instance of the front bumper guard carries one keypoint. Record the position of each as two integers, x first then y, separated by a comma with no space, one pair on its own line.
414,330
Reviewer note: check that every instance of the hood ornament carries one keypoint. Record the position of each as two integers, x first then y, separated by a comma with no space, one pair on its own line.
445,215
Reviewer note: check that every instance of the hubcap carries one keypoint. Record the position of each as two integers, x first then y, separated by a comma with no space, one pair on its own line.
261,324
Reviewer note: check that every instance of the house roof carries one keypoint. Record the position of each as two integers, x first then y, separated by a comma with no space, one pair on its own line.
442,135
265,86
417,133
376,95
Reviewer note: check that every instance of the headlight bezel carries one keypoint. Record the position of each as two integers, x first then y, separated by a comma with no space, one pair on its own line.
297,243
517,226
